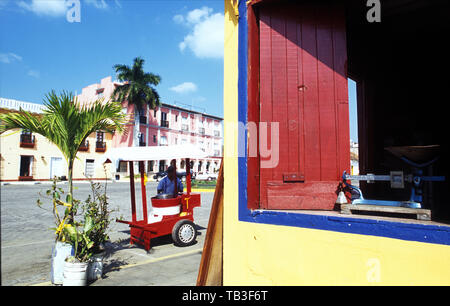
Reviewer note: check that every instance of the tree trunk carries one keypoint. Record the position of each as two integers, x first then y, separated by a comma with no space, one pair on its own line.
137,114
70,180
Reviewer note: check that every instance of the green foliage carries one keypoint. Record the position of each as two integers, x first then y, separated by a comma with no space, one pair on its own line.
138,88
62,220
96,210
204,184
88,234
67,124
80,239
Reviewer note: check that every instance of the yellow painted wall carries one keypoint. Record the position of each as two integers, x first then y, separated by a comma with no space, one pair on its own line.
261,254
42,153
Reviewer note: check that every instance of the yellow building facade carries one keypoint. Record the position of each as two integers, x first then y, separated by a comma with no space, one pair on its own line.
263,247
31,157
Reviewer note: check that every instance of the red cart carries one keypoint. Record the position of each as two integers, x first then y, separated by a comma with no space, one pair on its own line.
172,213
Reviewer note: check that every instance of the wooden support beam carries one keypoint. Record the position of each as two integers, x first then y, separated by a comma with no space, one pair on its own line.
211,265
421,214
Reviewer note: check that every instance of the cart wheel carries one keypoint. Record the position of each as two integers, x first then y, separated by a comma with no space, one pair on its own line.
184,233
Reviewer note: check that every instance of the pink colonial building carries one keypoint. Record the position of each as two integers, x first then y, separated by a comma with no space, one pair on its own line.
165,125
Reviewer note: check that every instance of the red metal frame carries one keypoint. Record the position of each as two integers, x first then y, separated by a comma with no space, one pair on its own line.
141,232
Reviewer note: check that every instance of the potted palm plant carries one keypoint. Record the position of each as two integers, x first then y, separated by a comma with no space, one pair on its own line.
62,248
88,238
66,124
78,254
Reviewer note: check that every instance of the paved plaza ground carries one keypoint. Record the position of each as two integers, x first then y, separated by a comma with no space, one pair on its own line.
26,240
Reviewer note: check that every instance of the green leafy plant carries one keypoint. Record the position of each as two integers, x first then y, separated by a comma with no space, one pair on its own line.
67,228
96,208
78,234
66,123
70,206
86,232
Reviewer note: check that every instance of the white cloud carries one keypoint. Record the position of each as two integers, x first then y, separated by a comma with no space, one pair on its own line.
100,4
198,15
8,58
53,8
206,32
34,74
58,8
178,19
185,87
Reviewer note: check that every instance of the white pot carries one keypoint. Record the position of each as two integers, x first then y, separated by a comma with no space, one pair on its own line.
95,267
75,274
60,252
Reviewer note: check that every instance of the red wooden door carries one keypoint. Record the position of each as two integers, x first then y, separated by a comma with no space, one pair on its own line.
303,86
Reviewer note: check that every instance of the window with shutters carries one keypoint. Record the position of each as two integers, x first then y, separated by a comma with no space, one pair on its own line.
301,85
89,168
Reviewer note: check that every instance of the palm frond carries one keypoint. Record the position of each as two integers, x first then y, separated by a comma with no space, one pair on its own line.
65,123
152,79
138,90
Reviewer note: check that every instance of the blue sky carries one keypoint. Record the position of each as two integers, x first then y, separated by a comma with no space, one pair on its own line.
182,41
40,50
353,110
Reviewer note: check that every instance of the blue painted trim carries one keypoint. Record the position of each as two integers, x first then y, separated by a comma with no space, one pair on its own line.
371,227
404,231
242,105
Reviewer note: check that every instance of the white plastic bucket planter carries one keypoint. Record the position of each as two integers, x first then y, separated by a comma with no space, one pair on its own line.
95,267
60,251
75,274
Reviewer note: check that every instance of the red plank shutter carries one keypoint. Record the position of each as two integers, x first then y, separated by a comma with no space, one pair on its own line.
303,87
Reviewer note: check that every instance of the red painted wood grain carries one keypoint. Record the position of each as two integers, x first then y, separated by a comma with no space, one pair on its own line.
303,86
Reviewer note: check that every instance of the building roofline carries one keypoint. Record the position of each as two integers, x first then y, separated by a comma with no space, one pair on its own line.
190,111
16,105
117,82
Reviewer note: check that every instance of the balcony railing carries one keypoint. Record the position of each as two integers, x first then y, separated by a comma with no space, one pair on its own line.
84,146
143,119
164,123
27,141
100,146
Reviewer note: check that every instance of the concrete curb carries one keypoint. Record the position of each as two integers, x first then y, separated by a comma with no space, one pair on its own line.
50,182
87,182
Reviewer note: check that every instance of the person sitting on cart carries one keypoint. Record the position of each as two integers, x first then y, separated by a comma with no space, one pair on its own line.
167,186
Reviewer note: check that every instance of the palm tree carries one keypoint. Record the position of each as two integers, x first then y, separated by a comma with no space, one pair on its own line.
137,89
67,124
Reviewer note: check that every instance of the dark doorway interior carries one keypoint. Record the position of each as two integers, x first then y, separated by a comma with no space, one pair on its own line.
25,166
401,69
